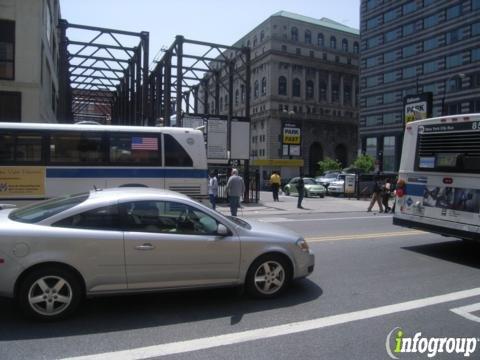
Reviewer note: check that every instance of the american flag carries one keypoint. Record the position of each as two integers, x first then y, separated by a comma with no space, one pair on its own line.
144,143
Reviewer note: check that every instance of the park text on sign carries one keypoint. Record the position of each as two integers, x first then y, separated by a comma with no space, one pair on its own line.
291,136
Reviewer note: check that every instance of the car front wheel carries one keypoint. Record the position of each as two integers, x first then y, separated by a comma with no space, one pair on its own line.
268,276
49,293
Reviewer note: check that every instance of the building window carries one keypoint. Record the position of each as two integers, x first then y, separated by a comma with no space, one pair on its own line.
390,15
225,103
333,42
296,88
323,90
389,97
372,61
298,51
371,143
294,34
347,94
408,29
371,4
475,54
345,45
220,104
371,120
390,56
255,90
374,22
284,48
430,44
409,7
10,106
454,11
320,40
371,42
7,50
282,85
372,81
391,35
475,4
431,20
335,92
264,86
242,93
236,97
262,35
409,72
430,67
454,36
389,153
309,90
475,106
390,77
371,101
433,88
454,84
409,50
390,118
454,60
308,37
475,29
454,108
355,47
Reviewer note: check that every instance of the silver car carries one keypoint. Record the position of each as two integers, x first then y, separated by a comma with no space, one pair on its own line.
126,240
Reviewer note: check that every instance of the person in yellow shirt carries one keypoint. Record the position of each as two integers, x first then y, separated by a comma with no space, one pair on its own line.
275,181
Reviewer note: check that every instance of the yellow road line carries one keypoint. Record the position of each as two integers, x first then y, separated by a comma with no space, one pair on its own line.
364,236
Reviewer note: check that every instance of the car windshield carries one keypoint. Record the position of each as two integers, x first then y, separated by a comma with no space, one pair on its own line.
341,177
308,181
40,211
331,175
240,222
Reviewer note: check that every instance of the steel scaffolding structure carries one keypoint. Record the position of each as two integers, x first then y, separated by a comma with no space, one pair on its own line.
103,81
181,72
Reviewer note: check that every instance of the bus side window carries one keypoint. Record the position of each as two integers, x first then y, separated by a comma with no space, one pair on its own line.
7,148
175,154
138,149
28,148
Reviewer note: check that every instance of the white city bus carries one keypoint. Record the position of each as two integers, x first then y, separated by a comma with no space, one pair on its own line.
439,177
38,161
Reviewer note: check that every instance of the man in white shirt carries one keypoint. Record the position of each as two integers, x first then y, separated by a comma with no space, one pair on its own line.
213,189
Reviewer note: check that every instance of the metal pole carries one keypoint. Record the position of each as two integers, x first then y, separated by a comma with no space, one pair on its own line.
167,88
248,77
179,41
144,113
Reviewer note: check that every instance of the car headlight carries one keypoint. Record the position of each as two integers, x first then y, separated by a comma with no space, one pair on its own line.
302,244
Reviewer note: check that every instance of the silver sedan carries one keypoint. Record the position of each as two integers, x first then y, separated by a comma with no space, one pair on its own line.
129,240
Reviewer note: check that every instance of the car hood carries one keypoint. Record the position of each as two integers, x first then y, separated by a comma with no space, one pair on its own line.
271,231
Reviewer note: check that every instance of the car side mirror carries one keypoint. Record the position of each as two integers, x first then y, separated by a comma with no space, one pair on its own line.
222,230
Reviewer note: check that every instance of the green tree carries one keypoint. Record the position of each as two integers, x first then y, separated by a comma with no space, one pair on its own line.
365,163
328,164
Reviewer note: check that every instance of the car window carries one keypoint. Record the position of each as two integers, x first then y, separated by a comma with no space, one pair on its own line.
168,217
309,181
103,218
45,209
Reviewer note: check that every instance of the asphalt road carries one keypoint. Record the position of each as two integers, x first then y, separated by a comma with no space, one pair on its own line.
370,278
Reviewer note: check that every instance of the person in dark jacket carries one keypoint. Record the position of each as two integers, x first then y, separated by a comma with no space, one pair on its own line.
300,190
376,195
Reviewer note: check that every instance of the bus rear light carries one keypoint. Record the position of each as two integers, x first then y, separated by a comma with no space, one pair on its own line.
454,120
447,180
466,118
2,261
443,120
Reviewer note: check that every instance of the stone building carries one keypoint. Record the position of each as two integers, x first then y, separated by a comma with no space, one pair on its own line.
304,72
29,60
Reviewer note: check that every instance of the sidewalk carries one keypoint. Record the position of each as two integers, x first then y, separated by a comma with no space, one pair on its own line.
288,204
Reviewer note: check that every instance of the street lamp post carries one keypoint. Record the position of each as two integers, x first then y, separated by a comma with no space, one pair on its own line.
461,76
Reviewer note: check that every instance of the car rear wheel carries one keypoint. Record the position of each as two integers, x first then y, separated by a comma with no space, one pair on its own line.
49,293
268,276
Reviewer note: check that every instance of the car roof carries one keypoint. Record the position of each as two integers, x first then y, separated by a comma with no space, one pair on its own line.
122,193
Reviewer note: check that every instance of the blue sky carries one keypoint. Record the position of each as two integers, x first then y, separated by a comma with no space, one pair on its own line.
218,21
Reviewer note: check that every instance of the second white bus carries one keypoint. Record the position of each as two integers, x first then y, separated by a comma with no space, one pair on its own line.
439,177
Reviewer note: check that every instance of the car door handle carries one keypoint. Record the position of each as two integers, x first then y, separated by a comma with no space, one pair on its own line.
145,247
